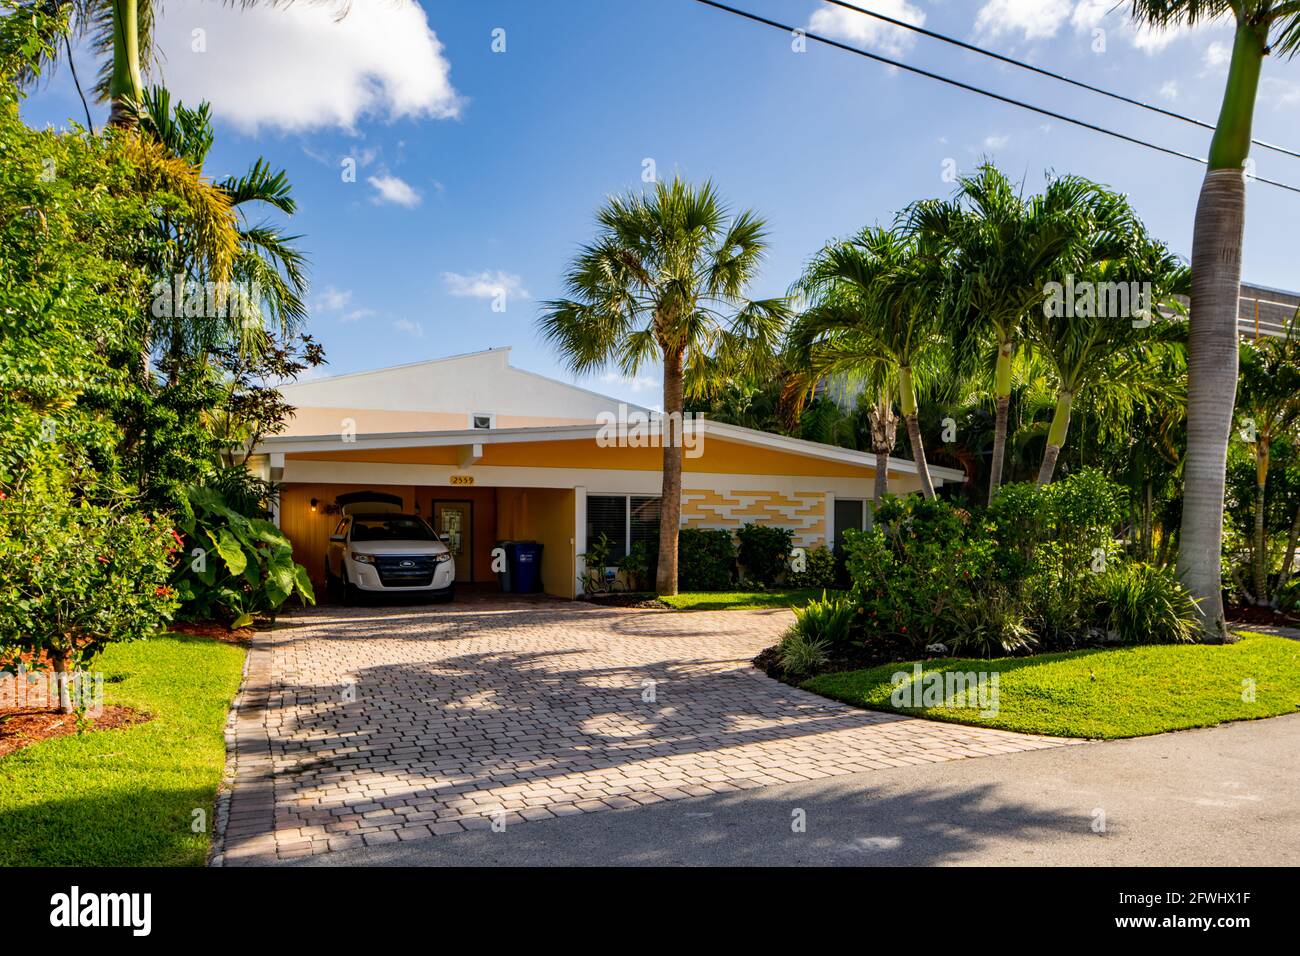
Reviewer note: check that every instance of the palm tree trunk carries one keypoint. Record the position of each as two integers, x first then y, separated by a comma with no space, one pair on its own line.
1291,541
1148,549
907,400
884,425
1002,391
1217,239
882,473
124,85
1056,436
1260,543
670,497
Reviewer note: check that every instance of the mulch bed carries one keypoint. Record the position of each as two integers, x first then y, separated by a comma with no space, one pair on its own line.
851,659
214,630
23,726
626,599
1251,614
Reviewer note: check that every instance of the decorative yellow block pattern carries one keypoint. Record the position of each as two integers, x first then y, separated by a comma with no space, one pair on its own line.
804,512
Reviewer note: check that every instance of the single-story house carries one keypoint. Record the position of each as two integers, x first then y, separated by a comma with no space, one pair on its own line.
488,452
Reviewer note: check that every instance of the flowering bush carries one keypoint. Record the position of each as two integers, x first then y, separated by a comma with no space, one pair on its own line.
76,575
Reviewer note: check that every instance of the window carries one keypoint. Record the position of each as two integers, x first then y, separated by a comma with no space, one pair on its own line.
607,515
482,420
623,519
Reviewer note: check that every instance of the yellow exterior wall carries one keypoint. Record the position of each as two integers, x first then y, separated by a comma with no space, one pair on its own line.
804,511
546,515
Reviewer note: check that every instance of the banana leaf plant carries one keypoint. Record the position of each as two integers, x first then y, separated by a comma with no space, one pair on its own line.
237,567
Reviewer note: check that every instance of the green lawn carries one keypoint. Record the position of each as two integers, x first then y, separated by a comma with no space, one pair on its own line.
1126,692
743,600
126,797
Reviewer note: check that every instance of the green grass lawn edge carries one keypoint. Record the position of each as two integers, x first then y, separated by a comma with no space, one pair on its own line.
1105,694
743,600
127,797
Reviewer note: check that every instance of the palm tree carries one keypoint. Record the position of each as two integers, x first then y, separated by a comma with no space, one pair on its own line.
665,281
875,306
1005,249
1262,27
265,259
1269,398
1114,260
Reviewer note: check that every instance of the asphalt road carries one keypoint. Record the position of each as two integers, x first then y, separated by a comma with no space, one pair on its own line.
1224,796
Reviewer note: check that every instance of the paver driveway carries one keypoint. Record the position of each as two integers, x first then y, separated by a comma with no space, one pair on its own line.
373,725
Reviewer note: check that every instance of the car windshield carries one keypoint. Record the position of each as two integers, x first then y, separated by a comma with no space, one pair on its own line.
391,528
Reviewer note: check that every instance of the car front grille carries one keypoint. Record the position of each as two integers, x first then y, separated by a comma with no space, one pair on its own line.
405,570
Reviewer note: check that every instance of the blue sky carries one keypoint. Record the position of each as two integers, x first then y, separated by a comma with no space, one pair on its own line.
479,170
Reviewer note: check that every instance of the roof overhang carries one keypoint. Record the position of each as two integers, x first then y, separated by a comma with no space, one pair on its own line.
298,444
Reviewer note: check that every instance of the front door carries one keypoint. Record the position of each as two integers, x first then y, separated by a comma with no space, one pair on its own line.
454,522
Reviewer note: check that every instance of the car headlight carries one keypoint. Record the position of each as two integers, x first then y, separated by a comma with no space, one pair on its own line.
363,558
440,558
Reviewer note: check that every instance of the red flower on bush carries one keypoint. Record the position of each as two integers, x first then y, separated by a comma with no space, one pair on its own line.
162,591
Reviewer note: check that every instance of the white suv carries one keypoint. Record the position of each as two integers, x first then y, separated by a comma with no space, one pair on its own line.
386,552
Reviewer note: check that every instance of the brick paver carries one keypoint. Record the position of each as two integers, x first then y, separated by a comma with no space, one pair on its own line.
376,725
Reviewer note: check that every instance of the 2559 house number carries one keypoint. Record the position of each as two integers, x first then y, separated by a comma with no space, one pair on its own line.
462,479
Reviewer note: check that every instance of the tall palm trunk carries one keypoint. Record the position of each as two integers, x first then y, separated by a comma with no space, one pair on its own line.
124,85
907,400
1291,541
1212,335
670,497
1056,436
884,429
1002,391
1260,541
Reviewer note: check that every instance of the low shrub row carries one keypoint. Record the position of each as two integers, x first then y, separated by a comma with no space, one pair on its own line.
715,559
1041,569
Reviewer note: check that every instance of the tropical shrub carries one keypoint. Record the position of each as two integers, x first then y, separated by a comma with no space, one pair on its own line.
1141,604
917,567
706,559
764,552
818,572
800,654
637,566
237,566
991,624
829,619
598,558
76,575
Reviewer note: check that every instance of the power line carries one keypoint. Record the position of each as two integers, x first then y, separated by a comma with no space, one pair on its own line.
1042,111
944,38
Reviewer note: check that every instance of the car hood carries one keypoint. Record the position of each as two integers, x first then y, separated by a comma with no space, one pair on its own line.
398,547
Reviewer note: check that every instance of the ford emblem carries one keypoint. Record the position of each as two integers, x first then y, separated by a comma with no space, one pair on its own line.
408,564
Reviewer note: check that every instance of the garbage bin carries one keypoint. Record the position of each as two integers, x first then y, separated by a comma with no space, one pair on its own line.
526,568
505,577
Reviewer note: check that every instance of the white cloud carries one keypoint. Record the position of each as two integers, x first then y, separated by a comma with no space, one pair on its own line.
1279,93
1089,14
413,329
485,285
996,142
332,299
1170,90
844,24
1034,19
356,315
1218,54
1152,40
299,67
393,189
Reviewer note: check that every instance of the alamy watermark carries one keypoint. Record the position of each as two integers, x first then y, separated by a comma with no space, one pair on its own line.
191,299
1101,300
966,690
641,429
